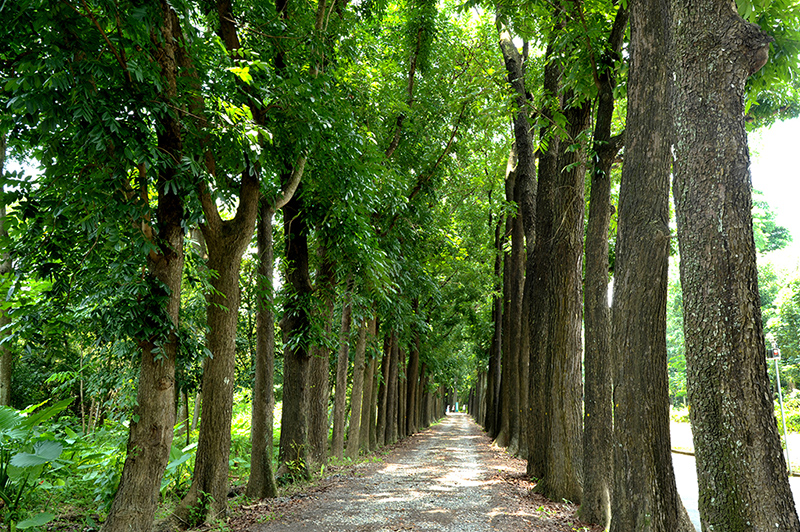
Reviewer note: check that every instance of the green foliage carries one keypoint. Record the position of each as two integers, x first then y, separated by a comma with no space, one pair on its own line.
26,454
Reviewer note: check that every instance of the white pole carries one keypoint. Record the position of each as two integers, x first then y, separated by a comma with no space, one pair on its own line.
777,353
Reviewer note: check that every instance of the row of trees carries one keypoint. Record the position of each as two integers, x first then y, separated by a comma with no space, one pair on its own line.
163,140
385,155
685,118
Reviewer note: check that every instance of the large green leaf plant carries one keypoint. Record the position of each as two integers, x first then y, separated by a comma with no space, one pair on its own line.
27,454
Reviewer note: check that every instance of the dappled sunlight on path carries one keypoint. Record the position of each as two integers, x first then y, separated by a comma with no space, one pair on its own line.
447,478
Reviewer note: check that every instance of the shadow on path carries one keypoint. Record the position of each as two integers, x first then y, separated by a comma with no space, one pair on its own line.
447,478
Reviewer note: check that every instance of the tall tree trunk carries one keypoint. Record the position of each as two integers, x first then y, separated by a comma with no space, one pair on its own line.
383,395
320,393
6,357
412,376
509,396
740,464
538,276
492,424
261,483
523,229
597,422
392,387
153,417
563,289
368,404
293,446
226,242
358,395
373,411
342,365
402,393
645,497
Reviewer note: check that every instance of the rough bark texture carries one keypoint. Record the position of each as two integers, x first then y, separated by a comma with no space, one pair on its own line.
293,450
261,483
342,365
645,497
492,421
597,422
509,395
320,393
563,388
6,357
153,419
740,465
368,403
226,242
392,392
412,378
537,274
373,411
359,394
383,390
523,232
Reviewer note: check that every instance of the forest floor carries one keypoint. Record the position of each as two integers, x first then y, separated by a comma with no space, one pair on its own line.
447,478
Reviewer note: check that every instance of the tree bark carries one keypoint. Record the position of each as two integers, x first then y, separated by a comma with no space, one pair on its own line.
153,419
368,403
392,391
6,357
261,483
358,395
509,395
597,422
740,464
491,423
645,496
563,387
320,393
412,376
538,275
373,411
293,446
226,242
383,390
340,397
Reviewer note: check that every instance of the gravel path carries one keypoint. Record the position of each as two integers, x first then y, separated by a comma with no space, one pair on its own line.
447,478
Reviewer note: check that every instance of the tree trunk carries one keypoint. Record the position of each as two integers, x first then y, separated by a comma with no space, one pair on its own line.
402,393
740,464
392,387
373,410
538,275
293,450
342,365
261,483
6,357
645,497
359,395
226,241
509,400
320,393
383,395
153,419
368,405
563,351
491,423
597,422
412,376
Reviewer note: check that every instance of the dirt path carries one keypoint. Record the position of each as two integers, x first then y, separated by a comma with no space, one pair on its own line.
446,478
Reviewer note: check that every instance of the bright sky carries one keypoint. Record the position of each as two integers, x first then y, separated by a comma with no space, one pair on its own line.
775,170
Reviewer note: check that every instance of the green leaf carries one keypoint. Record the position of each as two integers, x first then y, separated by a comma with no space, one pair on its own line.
43,452
9,418
45,414
37,520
